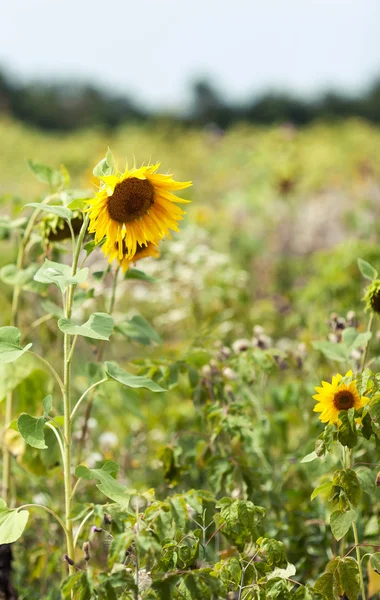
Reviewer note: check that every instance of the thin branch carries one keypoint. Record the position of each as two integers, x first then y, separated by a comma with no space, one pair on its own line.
93,386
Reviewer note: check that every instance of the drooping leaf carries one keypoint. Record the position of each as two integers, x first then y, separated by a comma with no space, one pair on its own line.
348,571
98,327
59,211
340,522
375,562
324,489
12,523
107,484
78,203
10,348
338,352
347,434
60,275
367,270
11,275
133,381
136,274
32,430
47,404
140,330
46,174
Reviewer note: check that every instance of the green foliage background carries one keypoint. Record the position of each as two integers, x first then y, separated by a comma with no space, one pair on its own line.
278,219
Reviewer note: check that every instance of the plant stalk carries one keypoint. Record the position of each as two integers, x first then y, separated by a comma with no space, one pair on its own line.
68,354
99,357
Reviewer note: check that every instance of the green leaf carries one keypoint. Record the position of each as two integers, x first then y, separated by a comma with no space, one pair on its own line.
340,522
12,523
32,430
309,457
136,274
139,330
349,577
361,340
46,174
347,434
367,270
133,381
98,327
375,562
59,211
325,585
47,404
78,203
11,275
274,552
349,336
110,160
60,275
374,408
338,352
102,168
107,484
324,489
10,348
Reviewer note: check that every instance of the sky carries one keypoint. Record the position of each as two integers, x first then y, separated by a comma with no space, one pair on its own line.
154,49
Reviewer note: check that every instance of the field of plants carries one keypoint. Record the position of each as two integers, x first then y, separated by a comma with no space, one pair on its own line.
159,433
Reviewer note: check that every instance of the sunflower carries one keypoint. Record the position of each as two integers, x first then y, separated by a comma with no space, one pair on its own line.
134,208
336,396
141,252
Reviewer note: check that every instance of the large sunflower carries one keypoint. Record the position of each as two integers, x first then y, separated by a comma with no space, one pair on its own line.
336,396
134,208
141,252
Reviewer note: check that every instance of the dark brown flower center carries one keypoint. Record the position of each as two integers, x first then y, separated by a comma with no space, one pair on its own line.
130,200
344,400
375,302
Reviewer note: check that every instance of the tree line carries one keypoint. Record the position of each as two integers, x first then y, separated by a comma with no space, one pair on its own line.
70,106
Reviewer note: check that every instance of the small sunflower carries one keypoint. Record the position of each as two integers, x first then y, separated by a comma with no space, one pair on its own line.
141,252
372,297
336,396
134,208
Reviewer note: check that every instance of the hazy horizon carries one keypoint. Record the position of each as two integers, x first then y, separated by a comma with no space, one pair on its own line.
154,51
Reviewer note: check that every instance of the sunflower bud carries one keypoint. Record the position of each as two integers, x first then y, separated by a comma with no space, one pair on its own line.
86,551
372,297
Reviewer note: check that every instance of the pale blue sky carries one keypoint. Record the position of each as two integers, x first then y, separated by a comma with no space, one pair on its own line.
155,48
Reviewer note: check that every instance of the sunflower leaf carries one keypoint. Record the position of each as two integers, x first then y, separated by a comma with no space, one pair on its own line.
347,434
59,211
129,380
340,522
10,348
98,327
136,274
139,330
107,484
12,523
46,174
60,275
338,352
32,430
367,270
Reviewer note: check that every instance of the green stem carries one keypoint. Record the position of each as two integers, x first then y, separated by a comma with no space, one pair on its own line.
51,512
349,461
6,479
93,386
99,358
356,538
67,402
51,369
365,352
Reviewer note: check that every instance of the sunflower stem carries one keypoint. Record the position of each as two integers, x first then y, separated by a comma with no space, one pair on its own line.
99,357
365,351
349,461
68,354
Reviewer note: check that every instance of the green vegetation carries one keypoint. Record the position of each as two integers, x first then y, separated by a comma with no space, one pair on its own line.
225,485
